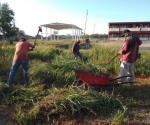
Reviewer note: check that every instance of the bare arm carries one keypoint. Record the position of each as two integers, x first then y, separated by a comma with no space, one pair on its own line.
31,46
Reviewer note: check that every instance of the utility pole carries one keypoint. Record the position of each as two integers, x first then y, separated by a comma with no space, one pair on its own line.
85,21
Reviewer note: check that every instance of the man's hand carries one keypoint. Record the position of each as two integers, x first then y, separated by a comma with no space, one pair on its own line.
31,48
120,52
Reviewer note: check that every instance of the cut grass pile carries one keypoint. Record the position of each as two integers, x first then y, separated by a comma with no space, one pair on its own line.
69,102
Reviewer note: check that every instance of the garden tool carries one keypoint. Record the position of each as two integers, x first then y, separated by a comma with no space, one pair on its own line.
39,30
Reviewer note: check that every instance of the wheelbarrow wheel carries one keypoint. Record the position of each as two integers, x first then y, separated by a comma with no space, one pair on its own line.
77,82
80,84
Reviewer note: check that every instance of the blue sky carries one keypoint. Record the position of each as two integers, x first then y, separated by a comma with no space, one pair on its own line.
29,14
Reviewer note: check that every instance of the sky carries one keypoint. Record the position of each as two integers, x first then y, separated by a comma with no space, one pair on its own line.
29,14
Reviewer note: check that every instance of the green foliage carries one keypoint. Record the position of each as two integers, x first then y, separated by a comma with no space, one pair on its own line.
119,118
135,94
55,66
88,102
49,74
102,56
71,101
63,46
40,72
7,25
99,36
69,65
18,94
143,64
6,53
45,53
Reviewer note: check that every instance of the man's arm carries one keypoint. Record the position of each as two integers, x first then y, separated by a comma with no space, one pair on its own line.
31,46
127,47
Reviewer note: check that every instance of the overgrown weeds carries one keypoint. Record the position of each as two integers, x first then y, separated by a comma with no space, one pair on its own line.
55,67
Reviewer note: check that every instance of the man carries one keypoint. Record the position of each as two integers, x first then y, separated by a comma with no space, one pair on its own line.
129,54
87,43
76,49
21,58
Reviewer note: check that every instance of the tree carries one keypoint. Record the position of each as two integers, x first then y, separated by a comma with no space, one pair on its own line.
7,22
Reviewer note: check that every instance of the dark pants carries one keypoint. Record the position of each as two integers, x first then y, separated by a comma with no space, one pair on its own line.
14,68
78,54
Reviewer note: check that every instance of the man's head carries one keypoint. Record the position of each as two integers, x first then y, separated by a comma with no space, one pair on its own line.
78,41
23,39
126,33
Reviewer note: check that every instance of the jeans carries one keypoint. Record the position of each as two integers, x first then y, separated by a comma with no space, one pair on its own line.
14,68
127,69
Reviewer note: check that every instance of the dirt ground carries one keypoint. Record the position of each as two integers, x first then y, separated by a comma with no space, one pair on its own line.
7,115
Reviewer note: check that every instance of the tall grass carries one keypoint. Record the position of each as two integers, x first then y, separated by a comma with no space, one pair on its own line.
6,54
60,65
103,56
45,53
143,64
53,65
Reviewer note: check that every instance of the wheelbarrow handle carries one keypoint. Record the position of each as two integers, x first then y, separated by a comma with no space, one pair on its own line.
120,77
120,83
110,61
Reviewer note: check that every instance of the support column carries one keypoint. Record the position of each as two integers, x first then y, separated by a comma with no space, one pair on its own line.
51,37
75,37
46,33
77,34
57,34
72,34
80,33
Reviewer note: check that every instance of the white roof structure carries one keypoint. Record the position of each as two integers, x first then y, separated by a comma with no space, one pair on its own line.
76,31
61,26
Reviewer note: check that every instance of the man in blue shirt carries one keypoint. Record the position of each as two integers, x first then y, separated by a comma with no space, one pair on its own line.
76,50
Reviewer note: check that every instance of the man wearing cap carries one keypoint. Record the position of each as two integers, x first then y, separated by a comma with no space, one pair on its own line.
20,58
129,54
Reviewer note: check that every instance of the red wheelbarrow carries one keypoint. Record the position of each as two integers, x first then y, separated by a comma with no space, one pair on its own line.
87,78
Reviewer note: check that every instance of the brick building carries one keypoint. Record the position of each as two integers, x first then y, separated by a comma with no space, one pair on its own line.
140,28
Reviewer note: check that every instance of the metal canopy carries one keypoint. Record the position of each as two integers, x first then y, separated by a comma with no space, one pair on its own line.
61,26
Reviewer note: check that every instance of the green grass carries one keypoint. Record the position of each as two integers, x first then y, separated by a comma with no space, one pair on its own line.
69,102
52,71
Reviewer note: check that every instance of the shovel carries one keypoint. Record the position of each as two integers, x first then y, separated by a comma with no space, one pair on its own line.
39,30
111,60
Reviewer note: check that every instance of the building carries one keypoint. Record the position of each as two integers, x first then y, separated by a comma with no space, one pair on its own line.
140,28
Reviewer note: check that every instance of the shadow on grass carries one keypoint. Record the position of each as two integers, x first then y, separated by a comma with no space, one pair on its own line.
137,93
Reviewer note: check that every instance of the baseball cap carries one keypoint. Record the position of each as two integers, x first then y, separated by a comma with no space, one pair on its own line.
126,32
